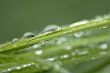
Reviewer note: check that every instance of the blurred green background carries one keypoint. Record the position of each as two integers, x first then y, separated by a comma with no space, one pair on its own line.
20,16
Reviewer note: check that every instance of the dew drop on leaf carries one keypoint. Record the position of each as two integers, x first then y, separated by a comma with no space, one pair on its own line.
50,59
103,46
28,35
98,18
18,67
79,23
79,52
61,40
78,34
36,46
68,47
103,53
38,52
50,28
64,56
15,40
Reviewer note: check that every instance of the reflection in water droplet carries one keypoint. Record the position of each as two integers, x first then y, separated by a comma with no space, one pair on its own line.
38,52
103,46
79,23
28,35
50,28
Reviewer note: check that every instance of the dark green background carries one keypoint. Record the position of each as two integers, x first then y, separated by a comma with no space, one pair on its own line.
20,16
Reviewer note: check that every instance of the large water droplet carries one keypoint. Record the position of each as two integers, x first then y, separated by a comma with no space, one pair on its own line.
50,28
28,35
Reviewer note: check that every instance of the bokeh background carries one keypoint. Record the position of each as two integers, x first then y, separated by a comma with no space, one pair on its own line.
20,16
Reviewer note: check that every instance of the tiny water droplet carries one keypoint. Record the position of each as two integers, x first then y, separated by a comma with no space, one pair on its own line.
50,28
57,66
78,34
98,18
15,40
28,35
103,53
64,56
61,40
79,52
103,46
50,59
9,69
36,46
93,58
38,52
18,67
68,47
79,23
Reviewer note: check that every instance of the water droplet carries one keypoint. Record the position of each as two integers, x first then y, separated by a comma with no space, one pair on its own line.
57,66
73,53
98,18
18,67
103,46
79,52
9,69
15,40
50,28
103,53
64,56
28,35
78,34
61,40
38,52
93,58
68,47
36,46
50,59
79,23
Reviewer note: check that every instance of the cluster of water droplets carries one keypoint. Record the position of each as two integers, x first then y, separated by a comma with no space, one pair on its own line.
63,39
17,67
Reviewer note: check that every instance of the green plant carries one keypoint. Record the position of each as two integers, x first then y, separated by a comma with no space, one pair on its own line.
78,48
